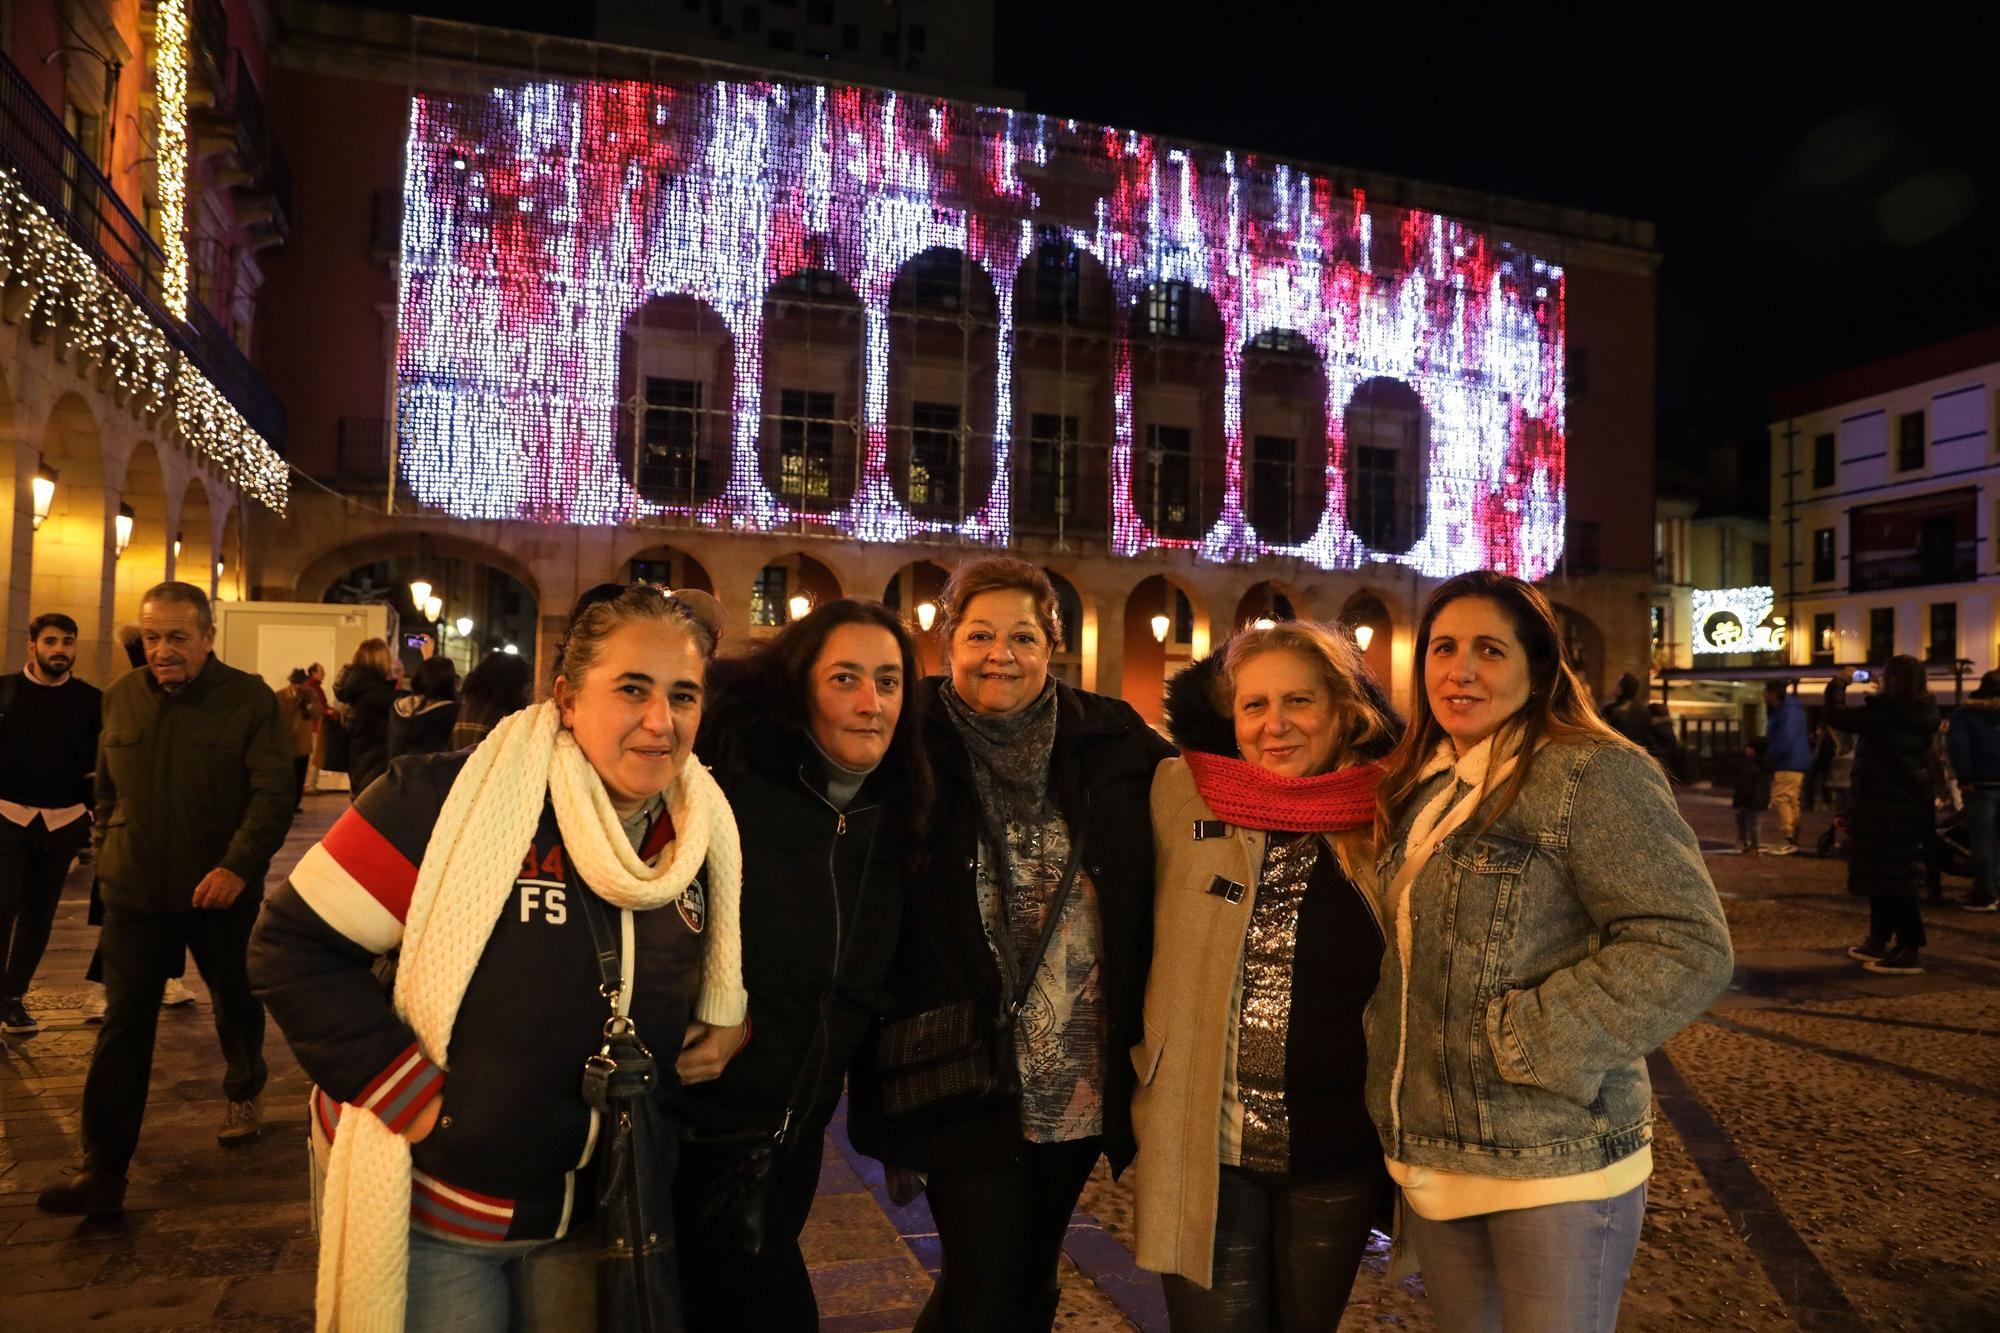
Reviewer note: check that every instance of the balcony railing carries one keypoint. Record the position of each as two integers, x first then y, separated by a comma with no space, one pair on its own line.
55,169
1954,562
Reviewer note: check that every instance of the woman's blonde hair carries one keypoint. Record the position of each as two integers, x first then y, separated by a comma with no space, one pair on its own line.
1559,706
1367,725
374,654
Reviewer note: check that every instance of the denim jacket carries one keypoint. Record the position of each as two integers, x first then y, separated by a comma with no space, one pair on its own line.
1544,958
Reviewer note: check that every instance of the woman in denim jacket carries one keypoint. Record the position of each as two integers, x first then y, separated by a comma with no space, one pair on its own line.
1552,925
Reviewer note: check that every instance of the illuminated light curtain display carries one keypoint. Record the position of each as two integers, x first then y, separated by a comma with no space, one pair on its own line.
170,46
1737,620
540,218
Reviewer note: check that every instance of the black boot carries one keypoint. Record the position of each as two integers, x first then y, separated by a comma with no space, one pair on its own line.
88,1193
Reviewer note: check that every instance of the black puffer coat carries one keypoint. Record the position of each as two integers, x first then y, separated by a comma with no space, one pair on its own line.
1102,748
1891,810
818,883
366,696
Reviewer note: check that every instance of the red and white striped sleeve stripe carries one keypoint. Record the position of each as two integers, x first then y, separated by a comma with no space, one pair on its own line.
357,882
399,1092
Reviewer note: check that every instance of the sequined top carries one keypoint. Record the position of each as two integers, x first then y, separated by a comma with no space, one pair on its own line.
1264,1008
1060,1040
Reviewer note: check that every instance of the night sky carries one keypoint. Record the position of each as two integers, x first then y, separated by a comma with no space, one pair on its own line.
1815,209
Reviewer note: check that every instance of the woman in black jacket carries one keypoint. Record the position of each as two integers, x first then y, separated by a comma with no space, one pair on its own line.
815,741
1026,769
366,694
1891,813
421,721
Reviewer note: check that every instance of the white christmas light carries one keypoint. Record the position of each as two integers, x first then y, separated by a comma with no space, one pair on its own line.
1736,620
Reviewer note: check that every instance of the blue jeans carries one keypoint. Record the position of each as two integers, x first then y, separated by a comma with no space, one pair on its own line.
1560,1268
1982,823
531,1286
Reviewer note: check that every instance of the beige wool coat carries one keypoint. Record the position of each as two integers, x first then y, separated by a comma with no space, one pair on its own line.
1197,956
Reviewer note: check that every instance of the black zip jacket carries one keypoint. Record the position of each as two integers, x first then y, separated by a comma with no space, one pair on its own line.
366,696
421,726
1102,748
504,1160
818,884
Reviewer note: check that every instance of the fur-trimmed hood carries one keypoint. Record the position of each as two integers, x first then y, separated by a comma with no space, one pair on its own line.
1195,722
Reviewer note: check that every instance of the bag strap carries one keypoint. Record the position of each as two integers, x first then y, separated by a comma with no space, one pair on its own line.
1056,905
605,944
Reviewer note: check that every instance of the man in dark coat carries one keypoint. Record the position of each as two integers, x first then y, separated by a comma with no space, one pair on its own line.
1892,811
194,797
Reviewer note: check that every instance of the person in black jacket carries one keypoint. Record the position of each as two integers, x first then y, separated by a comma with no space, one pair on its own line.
1891,811
1025,766
421,721
815,740
366,693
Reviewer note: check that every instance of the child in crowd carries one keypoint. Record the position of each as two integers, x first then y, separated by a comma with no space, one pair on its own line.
1753,796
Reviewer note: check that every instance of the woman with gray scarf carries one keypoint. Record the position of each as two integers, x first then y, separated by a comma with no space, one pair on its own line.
1029,773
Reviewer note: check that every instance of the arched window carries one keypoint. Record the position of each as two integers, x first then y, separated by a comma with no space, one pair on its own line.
1387,464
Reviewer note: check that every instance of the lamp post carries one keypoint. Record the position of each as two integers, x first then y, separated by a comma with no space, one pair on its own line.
926,615
127,516
800,606
1161,624
1363,636
45,492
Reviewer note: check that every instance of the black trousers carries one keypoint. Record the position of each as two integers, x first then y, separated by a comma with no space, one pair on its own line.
724,1289
1898,919
1286,1251
140,950
299,763
33,864
1001,1230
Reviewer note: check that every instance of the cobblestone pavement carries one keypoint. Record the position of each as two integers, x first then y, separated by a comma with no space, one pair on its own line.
1824,1159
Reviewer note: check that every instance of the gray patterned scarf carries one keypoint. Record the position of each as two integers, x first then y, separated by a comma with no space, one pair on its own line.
1010,762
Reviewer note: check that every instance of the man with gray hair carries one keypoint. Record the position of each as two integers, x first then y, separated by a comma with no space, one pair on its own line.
193,798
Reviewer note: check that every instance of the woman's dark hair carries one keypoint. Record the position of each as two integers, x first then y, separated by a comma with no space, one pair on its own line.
1559,706
604,608
296,677
501,684
1904,678
436,678
773,680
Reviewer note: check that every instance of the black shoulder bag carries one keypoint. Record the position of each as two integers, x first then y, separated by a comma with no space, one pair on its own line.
733,1169
962,1053
638,1289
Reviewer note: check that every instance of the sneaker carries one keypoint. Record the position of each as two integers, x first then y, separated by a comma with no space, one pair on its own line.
240,1125
1782,849
88,1193
15,1018
176,993
1974,905
92,1007
1729,851
1899,963
1869,950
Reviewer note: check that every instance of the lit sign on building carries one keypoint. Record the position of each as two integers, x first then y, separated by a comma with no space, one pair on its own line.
1737,620
540,218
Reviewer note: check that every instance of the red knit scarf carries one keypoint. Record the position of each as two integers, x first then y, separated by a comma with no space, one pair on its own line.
1253,797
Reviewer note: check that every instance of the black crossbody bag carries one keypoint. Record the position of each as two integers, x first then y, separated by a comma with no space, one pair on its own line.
962,1053
638,1286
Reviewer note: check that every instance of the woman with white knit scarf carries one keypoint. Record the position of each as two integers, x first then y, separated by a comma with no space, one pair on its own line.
1551,924
462,1147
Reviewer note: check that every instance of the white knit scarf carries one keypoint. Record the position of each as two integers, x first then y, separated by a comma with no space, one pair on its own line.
485,828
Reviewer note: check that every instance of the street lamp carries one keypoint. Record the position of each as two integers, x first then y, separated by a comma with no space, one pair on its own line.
1263,622
127,516
420,592
45,492
177,546
800,606
1363,636
510,650
926,615
1161,624
433,608
464,627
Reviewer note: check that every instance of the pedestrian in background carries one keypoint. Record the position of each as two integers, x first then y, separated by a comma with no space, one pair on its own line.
1892,812
1259,1175
421,721
366,689
1974,745
1753,794
299,706
815,736
48,745
1039,787
1553,924
1790,753
316,683
1626,713
502,684
194,794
